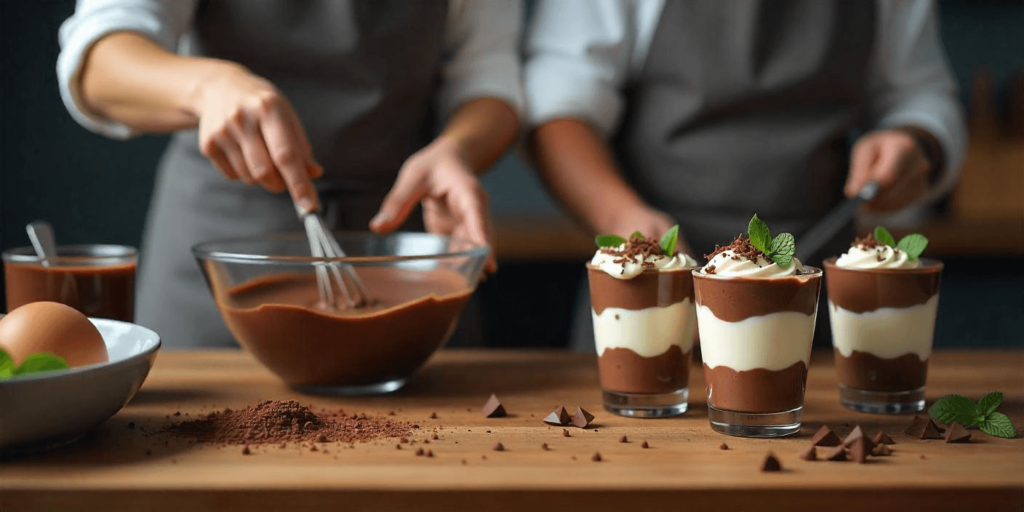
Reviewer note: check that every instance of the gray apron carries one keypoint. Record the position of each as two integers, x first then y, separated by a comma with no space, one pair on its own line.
746,106
361,75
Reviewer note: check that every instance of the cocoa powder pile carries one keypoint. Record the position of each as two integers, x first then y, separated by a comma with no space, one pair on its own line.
275,421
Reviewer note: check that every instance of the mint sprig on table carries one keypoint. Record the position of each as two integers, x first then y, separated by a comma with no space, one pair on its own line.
34,363
913,244
668,241
779,249
983,415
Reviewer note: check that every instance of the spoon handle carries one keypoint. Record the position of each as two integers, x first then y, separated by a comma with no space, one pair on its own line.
40,233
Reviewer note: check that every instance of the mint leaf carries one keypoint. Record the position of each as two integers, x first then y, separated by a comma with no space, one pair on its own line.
41,362
6,365
988,404
884,237
913,244
760,236
669,240
636,234
609,241
782,249
998,425
956,408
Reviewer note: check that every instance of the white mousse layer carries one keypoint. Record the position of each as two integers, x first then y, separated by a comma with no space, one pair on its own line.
648,332
886,332
771,342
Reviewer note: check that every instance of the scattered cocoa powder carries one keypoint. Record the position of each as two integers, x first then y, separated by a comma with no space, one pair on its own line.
274,421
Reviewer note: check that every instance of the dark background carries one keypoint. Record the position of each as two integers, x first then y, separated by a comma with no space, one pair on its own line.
95,190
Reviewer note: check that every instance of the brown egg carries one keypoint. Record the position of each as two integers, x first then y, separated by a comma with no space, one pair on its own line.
55,328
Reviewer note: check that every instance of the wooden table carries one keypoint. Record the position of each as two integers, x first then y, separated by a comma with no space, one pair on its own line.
109,471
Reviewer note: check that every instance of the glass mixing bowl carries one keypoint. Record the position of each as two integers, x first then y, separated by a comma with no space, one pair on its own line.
266,290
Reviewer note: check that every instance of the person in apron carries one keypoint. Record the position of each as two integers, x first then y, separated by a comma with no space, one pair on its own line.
279,93
646,114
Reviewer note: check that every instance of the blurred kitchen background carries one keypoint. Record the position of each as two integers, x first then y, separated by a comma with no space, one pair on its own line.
95,190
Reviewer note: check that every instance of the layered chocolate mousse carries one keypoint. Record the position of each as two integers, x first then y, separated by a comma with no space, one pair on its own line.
883,301
756,321
643,312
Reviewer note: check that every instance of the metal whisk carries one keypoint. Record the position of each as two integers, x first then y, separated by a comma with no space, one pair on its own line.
331,275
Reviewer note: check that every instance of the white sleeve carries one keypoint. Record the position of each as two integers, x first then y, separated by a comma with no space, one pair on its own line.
163,21
578,54
481,54
911,83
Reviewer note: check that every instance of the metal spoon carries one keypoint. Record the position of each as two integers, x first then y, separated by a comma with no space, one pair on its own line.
820,234
40,233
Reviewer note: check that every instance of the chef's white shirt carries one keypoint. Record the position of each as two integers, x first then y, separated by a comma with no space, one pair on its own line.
582,54
480,55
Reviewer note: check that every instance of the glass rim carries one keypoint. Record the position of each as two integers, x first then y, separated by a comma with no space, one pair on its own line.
204,250
89,254
809,271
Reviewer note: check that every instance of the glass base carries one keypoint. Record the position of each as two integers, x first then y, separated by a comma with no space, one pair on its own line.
882,402
637,405
381,388
748,424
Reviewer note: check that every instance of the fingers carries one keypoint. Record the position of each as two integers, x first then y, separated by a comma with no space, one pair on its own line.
257,159
862,161
213,152
409,189
286,150
233,154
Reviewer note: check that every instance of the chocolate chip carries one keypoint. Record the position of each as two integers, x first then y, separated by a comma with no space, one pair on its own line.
545,447
398,447
957,434
434,436
498,447
391,413
582,418
312,448
825,437
558,417
420,452
596,457
623,439
565,433
860,449
246,450
426,441
404,440
811,453
493,408
922,456
771,464
433,415
430,454
177,413
464,462
321,438
723,447
837,455
131,424
883,438
645,445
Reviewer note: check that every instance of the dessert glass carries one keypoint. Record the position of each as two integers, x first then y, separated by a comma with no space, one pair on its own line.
643,330
755,336
98,280
883,325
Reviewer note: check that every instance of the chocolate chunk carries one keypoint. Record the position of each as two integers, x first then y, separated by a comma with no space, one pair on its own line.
426,441
312,448
881,450
837,455
246,450
498,447
723,447
623,439
398,447
811,453
321,438
957,434
883,438
433,415
856,434
770,464
430,454
434,436
545,447
860,449
645,445
420,452
558,417
825,437
582,418
596,457
923,428
493,408
565,433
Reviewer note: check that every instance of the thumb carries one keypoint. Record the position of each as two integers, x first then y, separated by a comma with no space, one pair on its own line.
407,192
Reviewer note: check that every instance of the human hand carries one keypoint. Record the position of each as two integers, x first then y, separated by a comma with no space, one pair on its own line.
649,222
899,165
454,202
250,132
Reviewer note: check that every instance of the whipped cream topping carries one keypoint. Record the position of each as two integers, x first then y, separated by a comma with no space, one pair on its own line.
621,267
729,264
876,256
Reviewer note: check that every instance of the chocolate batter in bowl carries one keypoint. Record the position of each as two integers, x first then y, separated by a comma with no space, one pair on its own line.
266,290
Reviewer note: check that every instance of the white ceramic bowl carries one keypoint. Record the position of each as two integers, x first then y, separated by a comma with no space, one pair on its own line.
43,411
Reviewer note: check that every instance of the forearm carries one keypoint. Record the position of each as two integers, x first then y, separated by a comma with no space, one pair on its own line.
580,171
129,79
481,130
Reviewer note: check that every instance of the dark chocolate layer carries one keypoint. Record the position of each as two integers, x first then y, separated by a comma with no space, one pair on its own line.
651,288
739,298
96,291
625,371
869,372
757,390
862,290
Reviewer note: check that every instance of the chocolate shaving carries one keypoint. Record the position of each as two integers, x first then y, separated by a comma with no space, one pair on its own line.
636,250
558,417
811,453
867,241
582,418
493,408
825,437
740,247
883,438
957,434
771,464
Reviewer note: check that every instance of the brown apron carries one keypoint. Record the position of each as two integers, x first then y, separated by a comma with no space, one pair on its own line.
361,75
746,106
